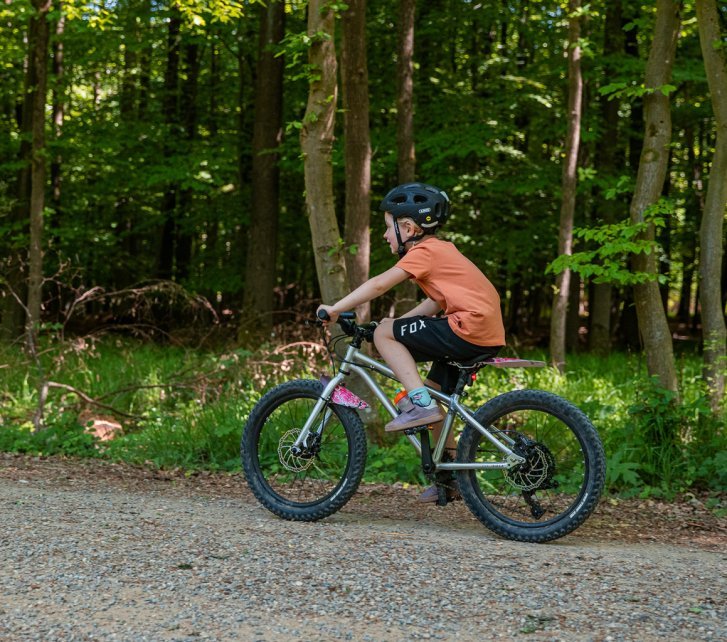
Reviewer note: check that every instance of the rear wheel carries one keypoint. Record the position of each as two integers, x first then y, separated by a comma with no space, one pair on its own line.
557,486
317,481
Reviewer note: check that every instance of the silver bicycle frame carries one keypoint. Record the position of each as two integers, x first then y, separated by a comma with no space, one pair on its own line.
359,363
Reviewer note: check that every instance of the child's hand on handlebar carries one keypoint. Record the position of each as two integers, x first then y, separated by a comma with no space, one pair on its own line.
328,316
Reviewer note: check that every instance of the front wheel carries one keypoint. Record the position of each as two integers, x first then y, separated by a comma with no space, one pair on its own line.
316,481
558,485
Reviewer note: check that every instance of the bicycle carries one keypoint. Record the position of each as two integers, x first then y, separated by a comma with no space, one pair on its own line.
529,464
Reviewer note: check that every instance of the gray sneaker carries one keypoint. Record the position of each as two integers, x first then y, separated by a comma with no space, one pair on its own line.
431,495
416,416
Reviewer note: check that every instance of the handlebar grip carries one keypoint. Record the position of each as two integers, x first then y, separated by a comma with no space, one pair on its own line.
346,316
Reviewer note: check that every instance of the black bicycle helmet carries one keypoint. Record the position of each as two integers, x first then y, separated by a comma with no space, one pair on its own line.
426,205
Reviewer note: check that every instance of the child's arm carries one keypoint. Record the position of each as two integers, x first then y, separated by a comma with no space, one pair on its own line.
427,308
373,288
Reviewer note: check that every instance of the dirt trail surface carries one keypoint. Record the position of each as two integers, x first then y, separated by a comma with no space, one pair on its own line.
96,551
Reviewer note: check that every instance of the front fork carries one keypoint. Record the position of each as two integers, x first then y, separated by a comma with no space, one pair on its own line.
302,442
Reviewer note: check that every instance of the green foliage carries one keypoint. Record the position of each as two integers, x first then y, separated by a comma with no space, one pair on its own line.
63,437
490,116
614,244
490,120
396,463
666,446
630,91
190,437
192,407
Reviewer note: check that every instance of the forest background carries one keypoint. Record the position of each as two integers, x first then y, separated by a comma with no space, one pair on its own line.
182,182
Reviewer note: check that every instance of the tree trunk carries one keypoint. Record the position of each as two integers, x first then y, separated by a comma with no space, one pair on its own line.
636,121
39,61
214,84
406,293
183,228
170,109
127,92
653,327
13,255
599,335
573,316
145,63
713,324
357,147
693,208
57,112
316,140
128,115
405,154
570,175
260,271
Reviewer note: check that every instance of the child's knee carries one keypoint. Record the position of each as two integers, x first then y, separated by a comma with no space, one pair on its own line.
384,332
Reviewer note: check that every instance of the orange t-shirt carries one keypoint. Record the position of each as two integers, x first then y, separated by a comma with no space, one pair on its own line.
469,300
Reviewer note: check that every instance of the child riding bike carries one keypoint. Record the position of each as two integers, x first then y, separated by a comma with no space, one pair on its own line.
460,318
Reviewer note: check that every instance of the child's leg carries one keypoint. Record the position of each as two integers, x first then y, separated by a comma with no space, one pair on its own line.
397,356
423,411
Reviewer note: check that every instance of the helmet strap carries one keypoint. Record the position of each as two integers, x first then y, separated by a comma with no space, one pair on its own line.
401,250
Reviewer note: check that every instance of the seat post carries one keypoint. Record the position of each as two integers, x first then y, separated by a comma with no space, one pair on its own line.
462,381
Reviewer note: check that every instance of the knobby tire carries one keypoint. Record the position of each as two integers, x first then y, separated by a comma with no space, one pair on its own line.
334,473
568,462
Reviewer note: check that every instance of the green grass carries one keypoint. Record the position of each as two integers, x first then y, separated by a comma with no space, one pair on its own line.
186,408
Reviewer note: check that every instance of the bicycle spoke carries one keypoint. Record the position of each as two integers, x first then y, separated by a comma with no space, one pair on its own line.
558,483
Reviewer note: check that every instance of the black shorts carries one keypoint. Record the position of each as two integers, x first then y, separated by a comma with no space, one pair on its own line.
431,339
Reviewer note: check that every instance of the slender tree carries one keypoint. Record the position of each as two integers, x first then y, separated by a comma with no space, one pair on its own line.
569,179
170,110
357,146
405,146
57,108
711,232
607,154
260,272
406,155
182,230
653,327
145,62
14,257
39,61
316,140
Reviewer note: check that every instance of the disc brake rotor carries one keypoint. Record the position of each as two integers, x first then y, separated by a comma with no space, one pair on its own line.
536,471
291,462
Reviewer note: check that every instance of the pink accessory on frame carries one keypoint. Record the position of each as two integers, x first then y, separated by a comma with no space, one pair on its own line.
342,396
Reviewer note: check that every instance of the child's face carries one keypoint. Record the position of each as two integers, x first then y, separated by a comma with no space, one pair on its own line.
390,234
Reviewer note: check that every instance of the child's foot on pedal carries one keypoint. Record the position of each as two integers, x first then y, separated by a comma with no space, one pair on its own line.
431,495
416,416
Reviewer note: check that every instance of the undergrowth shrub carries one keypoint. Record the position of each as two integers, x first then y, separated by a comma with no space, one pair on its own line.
666,446
63,437
185,408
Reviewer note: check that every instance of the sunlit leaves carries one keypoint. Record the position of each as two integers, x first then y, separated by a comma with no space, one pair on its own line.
612,245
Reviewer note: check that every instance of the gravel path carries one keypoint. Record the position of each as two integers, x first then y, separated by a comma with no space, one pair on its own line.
89,559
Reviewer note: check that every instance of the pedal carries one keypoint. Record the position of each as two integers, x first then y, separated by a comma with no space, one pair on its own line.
415,430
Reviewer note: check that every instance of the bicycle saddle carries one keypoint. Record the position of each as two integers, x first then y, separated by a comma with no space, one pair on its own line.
496,362
475,363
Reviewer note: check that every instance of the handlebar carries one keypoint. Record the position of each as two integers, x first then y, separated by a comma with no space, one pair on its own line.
347,321
346,316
